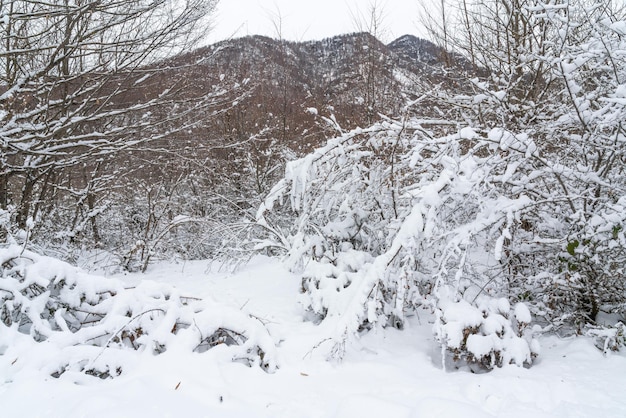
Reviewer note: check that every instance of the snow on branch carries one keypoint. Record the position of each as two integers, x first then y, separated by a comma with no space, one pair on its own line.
386,215
90,324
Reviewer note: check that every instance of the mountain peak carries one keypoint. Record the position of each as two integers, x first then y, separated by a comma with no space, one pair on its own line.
414,49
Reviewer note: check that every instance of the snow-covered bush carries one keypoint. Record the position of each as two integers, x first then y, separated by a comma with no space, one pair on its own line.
90,322
608,338
491,334
385,216
560,82
592,265
589,136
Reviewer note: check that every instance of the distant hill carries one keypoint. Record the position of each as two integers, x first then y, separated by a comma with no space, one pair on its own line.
353,77
281,99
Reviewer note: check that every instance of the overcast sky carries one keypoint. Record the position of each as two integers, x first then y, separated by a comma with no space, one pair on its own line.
310,19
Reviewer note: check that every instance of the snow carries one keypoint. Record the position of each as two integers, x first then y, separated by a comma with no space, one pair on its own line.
385,373
522,314
482,345
464,314
619,27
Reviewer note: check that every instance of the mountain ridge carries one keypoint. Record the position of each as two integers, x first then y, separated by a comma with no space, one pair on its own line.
352,76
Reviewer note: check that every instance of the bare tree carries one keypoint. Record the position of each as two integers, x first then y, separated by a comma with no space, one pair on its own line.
374,84
73,83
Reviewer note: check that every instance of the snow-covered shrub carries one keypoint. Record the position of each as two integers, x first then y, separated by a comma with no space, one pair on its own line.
4,218
86,318
141,219
385,215
9,231
589,134
565,254
592,264
491,334
608,338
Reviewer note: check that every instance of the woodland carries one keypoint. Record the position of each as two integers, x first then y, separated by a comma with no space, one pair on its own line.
479,176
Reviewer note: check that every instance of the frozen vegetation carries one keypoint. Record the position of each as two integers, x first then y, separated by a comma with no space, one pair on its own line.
456,248
386,372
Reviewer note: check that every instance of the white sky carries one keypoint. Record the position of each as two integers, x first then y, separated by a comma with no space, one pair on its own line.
311,19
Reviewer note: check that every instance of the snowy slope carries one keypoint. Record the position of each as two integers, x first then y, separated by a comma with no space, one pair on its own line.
388,373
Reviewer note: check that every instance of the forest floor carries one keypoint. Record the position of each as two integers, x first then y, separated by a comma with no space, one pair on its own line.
386,373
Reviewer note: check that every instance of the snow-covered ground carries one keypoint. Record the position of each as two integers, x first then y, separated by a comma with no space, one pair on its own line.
387,373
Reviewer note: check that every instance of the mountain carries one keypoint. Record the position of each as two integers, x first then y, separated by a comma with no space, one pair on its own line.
416,51
351,77
273,100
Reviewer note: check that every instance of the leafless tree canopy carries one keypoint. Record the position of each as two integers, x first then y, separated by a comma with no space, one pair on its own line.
73,83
